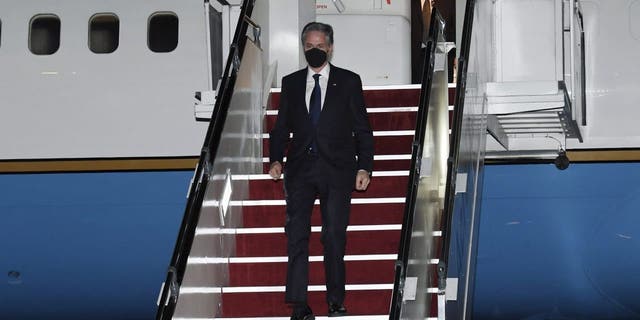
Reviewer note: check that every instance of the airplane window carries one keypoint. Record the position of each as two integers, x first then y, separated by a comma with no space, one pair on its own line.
44,34
104,33
163,32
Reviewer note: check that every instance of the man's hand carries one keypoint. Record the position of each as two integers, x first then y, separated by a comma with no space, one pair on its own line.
275,171
362,180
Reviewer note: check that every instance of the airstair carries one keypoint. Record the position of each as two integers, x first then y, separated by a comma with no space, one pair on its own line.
413,235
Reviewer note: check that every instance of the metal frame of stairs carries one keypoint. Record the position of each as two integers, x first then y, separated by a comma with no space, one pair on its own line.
248,283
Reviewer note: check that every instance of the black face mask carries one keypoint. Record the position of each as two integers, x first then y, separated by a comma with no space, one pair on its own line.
315,57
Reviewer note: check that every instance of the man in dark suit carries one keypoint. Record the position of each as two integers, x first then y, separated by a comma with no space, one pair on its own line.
330,154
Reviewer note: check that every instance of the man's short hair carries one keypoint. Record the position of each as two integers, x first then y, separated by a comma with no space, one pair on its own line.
318,26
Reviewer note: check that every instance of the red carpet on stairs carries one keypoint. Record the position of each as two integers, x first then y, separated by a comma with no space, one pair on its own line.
271,304
272,273
358,242
379,165
400,120
361,214
382,145
257,273
379,98
380,187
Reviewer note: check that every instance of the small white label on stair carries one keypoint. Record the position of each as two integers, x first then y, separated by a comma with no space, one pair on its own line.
410,288
439,63
425,167
451,291
461,183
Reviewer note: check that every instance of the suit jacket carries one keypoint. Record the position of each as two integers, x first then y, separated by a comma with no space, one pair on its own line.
344,137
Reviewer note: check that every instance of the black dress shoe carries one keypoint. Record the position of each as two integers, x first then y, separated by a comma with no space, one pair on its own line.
337,310
303,313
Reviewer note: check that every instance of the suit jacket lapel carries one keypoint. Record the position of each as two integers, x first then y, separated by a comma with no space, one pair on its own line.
331,88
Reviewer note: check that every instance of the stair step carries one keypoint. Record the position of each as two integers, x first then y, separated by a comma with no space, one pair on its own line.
373,98
380,162
377,165
274,273
281,202
380,119
398,120
391,165
382,145
270,304
363,317
361,214
393,186
358,242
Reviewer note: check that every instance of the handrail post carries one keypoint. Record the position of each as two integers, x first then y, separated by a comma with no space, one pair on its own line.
572,55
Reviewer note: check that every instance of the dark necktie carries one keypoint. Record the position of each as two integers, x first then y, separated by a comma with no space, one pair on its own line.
314,109
314,102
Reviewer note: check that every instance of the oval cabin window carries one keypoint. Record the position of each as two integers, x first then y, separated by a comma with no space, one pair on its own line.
104,33
163,32
44,34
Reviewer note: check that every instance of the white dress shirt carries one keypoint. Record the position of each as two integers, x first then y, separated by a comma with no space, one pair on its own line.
324,80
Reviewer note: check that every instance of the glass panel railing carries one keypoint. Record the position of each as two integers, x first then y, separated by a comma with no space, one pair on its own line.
456,268
233,147
425,195
578,82
574,80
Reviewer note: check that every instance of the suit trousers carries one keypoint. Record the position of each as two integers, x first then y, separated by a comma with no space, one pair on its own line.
316,177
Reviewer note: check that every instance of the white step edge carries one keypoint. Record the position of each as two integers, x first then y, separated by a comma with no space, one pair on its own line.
248,203
392,157
363,317
274,112
311,288
385,87
239,260
388,87
381,133
394,87
393,133
379,157
271,230
282,202
264,176
390,109
271,289
283,259
267,230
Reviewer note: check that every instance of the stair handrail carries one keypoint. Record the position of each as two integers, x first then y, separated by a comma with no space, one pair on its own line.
170,291
436,27
454,149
